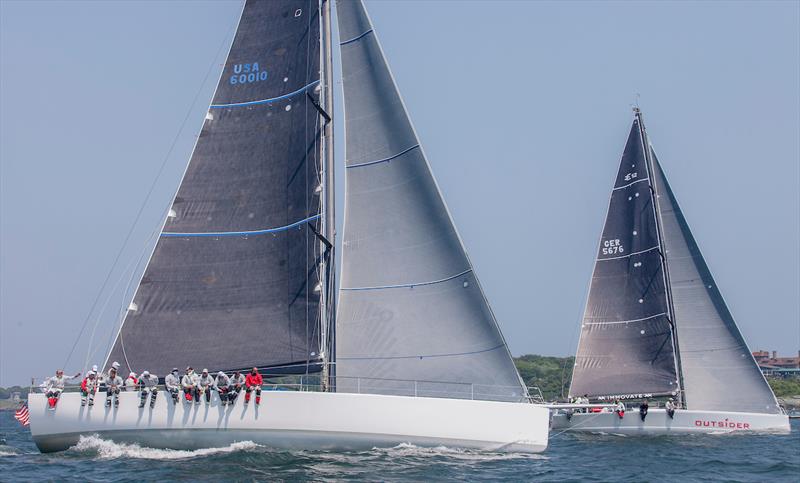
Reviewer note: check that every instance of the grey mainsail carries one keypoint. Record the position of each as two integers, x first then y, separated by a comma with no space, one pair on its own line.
626,346
410,306
234,280
719,372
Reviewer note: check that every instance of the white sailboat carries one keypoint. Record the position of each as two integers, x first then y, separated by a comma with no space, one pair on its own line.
655,323
243,273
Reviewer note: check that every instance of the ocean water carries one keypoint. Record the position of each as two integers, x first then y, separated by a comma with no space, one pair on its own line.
733,457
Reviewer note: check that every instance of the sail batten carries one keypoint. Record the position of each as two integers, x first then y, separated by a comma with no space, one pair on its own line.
220,290
410,305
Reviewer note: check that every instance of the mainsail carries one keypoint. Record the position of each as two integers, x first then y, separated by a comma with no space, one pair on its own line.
626,344
719,372
410,306
236,277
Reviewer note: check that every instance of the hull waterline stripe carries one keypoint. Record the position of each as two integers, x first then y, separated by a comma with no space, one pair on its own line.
240,233
408,285
630,254
368,163
421,356
264,101
625,321
355,38
629,184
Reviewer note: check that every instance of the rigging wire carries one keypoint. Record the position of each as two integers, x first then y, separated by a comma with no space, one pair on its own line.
147,199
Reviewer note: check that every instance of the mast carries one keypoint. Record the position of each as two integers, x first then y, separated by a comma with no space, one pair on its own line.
329,294
662,251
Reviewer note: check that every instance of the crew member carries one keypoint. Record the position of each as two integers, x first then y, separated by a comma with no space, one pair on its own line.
113,384
253,382
222,385
89,388
102,377
620,408
148,385
236,385
54,386
670,406
204,385
643,409
189,383
131,383
173,384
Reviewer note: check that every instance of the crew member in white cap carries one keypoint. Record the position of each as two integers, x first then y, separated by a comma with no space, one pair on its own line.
148,384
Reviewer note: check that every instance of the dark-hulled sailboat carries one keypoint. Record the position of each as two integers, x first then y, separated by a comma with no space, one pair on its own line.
243,272
655,322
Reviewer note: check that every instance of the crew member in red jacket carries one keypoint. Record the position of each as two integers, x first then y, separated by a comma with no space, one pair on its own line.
252,382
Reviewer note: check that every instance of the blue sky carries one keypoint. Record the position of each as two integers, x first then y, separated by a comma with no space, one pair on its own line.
523,109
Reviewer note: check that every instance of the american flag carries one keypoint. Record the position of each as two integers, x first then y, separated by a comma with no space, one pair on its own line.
22,414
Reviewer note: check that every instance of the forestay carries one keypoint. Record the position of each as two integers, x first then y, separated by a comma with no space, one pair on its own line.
626,346
410,306
719,372
234,278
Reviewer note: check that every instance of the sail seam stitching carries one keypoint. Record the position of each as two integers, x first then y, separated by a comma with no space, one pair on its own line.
629,184
409,285
241,233
264,101
367,163
625,321
355,38
630,254
424,356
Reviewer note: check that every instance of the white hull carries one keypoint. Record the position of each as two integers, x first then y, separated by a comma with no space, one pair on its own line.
295,420
657,422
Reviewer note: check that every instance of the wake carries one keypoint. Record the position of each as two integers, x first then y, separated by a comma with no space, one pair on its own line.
106,449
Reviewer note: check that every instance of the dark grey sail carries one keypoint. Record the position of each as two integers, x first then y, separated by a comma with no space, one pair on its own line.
719,372
410,306
234,280
626,347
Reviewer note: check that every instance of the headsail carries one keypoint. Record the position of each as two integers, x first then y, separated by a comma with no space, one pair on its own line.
626,346
719,372
234,280
410,305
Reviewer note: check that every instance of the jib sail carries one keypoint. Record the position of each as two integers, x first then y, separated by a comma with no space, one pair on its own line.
235,278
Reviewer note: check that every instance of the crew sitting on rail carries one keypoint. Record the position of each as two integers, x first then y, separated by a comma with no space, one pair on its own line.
620,409
670,406
148,385
253,381
131,383
113,384
189,384
53,387
173,384
222,384
102,377
643,409
236,385
89,388
204,385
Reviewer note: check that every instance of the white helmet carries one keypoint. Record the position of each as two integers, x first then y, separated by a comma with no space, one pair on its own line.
115,365
145,373
132,374
94,368
220,373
